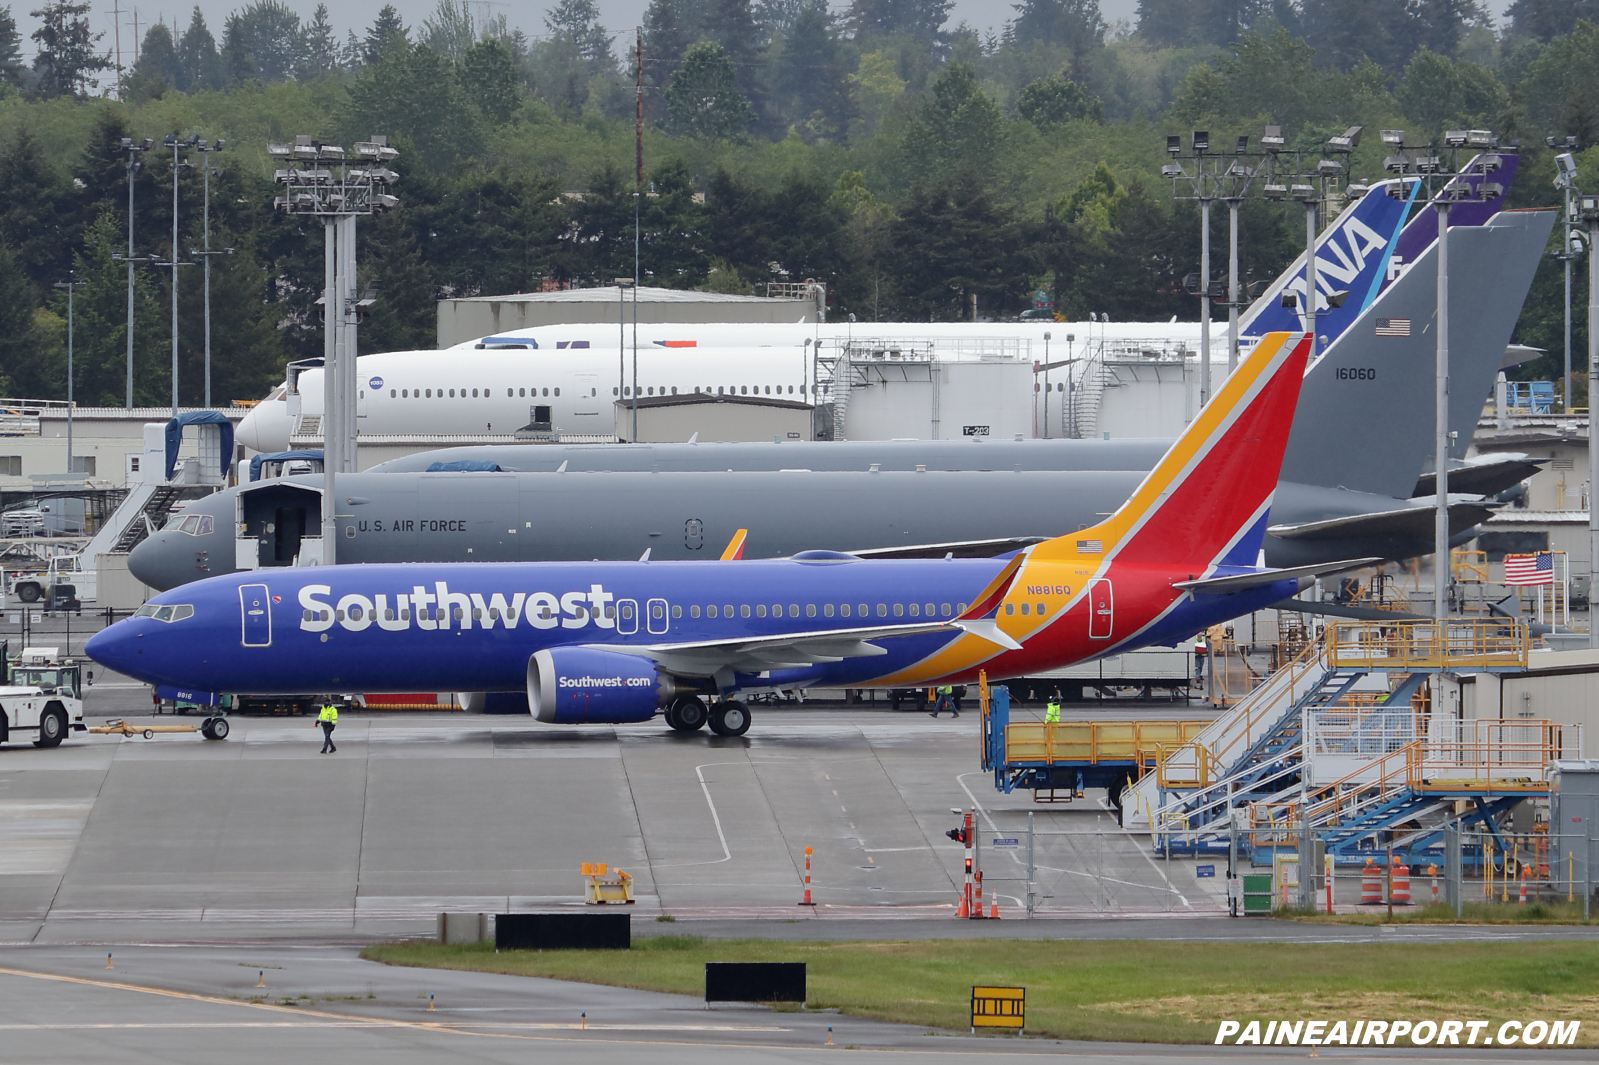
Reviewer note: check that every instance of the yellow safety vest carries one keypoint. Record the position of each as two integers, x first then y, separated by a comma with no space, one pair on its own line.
1052,714
329,713
948,689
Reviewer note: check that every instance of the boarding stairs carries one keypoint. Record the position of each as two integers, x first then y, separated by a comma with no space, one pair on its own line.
1341,712
1405,797
145,508
1083,417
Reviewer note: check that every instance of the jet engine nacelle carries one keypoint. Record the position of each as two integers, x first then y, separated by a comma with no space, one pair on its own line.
493,702
588,685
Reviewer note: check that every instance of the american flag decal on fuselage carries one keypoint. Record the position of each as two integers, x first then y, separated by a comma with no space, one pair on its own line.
1393,327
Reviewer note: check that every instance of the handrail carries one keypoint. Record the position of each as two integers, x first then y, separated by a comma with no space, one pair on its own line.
1416,645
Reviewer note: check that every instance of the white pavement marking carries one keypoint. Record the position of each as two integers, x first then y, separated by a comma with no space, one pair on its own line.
699,771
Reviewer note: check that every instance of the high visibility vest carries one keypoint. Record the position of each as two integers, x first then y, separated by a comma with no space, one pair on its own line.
947,689
1052,714
329,713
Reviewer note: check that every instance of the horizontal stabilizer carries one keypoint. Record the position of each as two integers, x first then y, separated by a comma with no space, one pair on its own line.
1414,522
954,548
1339,610
1237,582
1483,478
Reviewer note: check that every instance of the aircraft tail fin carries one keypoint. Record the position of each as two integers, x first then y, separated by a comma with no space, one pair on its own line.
1206,502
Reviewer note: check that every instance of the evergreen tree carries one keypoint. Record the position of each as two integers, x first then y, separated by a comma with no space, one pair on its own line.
953,242
11,66
321,55
67,59
21,371
264,42
451,29
158,67
959,128
809,73
777,17
577,23
921,20
1548,19
703,97
1048,102
670,26
199,65
1184,23
387,26
101,309
488,74
413,92
1073,23
248,349
35,215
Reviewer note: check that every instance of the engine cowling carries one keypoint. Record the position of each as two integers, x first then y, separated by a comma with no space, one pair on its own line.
588,685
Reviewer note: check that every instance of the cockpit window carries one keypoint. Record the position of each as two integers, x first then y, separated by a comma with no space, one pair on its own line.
165,612
197,525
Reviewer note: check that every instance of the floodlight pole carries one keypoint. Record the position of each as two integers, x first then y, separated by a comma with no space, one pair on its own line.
1590,211
1311,207
1233,203
71,287
1440,536
176,166
1204,290
332,408
1565,254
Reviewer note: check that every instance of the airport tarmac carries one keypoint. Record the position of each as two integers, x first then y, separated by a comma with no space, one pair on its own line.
323,1004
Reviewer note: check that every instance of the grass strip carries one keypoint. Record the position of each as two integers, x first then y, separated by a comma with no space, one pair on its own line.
1496,913
1155,992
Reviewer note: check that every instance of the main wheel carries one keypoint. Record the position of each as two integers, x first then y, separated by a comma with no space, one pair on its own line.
731,718
687,714
52,728
216,729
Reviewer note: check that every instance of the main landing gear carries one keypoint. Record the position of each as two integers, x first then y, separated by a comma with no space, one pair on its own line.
730,717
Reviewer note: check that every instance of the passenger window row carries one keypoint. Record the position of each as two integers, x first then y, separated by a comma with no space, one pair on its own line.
439,393
1010,608
845,610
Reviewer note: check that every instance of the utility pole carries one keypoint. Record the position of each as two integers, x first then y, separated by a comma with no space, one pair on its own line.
71,286
320,183
638,105
177,165
205,252
135,165
1566,181
1440,534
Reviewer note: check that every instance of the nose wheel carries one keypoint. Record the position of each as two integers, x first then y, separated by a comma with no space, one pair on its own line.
687,714
730,718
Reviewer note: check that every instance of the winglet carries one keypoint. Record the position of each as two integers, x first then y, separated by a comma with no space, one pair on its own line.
735,546
988,629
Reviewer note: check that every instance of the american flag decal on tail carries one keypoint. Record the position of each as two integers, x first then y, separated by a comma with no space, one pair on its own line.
1393,327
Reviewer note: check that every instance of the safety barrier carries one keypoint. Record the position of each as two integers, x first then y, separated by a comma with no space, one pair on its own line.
1093,742
1456,644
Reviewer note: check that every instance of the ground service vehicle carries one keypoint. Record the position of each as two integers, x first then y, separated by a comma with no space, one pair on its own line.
41,698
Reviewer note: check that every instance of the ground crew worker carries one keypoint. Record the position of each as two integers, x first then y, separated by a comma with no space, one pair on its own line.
328,719
946,701
1052,712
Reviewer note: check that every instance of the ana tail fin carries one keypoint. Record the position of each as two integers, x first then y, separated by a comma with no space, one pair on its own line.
1205,502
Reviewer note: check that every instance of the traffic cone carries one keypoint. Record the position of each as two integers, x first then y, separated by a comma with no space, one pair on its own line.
993,908
963,910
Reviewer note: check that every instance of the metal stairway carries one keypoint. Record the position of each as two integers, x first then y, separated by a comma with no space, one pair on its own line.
151,514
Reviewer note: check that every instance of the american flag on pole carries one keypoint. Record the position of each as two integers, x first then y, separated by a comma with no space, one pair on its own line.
1393,327
1530,569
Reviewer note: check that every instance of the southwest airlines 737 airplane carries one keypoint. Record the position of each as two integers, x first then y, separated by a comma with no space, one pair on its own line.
615,642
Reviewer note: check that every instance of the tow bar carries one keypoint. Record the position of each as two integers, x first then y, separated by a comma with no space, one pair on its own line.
212,728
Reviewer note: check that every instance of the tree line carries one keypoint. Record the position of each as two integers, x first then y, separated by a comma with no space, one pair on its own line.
910,164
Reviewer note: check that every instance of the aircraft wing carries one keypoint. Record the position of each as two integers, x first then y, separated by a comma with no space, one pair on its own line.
1483,478
1403,521
754,654
953,548
1237,582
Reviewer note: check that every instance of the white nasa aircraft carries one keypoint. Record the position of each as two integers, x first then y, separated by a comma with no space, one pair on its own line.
566,377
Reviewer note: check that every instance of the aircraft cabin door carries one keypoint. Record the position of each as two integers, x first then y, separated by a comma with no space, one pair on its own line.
626,617
586,393
255,609
1101,609
656,622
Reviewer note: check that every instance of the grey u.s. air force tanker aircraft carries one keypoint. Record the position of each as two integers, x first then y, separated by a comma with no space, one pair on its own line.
1362,436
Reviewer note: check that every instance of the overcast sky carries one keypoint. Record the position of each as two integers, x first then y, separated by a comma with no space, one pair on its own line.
617,15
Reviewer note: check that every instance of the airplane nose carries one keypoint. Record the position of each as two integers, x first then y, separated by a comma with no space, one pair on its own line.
167,558
266,428
118,647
